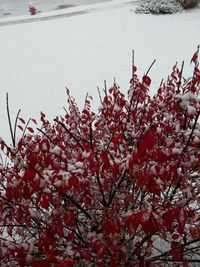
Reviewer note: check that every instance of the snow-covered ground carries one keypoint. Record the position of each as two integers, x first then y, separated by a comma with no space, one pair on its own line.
98,5
10,8
37,60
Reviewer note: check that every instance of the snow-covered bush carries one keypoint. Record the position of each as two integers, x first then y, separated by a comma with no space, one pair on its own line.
188,3
159,7
118,188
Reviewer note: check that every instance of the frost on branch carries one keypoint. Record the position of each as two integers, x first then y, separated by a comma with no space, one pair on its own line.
115,188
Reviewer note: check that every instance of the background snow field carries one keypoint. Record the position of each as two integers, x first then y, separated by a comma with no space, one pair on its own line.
15,8
38,60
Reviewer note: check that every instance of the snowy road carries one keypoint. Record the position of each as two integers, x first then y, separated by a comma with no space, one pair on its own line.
10,8
66,11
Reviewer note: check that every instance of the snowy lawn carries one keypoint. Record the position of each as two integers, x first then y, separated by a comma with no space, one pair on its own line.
37,60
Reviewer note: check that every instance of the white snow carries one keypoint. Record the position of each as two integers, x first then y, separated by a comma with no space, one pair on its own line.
56,150
191,110
78,165
35,214
38,60
71,167
15,8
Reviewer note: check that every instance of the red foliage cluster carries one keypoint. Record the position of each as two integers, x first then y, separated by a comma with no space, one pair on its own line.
116,188
32,10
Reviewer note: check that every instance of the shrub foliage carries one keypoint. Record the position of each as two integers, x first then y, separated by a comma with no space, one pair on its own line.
189,3
119,187
165,6
159,7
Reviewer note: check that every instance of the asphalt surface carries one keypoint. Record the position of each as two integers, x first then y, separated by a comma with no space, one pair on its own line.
10,8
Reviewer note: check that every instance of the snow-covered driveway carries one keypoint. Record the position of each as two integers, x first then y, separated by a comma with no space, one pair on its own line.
66,11
15,8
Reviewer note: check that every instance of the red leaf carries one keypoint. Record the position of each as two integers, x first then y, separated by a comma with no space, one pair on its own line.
113,263
22,120
86,255
40,263
134,68
175,236
2,145
59,230
68,263
148,142
150,225
195,232
178,214
146,80
70,219
20,127
105,158
42,117
73,181
70,237
182,221
9,193
194,58
116,139
20,214
30,129
33,120
44,145
177,251
29,174
161,156
32,159
100,250
110,227
44,202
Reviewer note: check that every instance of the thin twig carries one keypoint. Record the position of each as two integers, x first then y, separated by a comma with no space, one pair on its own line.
99,95
65,109
133,62
70,133
49,138
179,83
15,127
9,120
77,205
150,67
26,127
85,100
105,86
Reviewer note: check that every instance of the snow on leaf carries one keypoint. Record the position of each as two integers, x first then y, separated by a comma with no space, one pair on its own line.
146,80
71,167
191,110
78,164
56,150
194,58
